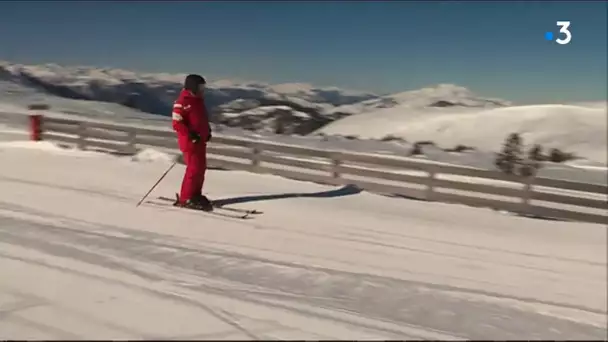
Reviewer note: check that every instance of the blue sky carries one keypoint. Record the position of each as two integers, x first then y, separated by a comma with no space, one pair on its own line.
494,48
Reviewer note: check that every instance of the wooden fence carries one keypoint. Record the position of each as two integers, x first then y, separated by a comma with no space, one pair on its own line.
530,196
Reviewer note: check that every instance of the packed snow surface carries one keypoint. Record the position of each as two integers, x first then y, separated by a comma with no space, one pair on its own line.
78,260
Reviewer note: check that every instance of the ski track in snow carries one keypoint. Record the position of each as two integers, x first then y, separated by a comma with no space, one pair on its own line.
78,259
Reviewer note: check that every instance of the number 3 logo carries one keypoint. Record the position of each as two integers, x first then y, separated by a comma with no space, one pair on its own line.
564,25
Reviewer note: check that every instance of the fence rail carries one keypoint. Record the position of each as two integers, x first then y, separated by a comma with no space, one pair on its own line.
533,196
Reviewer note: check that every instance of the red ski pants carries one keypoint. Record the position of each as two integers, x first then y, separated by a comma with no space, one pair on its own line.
196,166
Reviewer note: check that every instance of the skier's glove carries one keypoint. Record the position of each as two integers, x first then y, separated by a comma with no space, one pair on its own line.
194,137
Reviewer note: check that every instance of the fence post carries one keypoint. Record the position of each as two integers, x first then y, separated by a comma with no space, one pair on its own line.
35,127
82,135
131,141
526,195
255,157
335,165
430,186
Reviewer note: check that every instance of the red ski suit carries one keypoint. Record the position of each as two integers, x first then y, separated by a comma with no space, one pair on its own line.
190,115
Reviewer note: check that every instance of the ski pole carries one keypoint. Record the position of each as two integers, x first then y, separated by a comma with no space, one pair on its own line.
158,181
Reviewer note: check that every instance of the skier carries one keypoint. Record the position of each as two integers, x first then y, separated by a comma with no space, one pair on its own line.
191,122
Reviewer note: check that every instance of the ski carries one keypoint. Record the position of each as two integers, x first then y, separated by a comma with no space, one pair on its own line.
238,215
238,210
233,215
221,207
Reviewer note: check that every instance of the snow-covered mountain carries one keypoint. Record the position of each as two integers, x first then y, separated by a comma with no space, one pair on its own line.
447,115
154,93
576,128
291,108
440,96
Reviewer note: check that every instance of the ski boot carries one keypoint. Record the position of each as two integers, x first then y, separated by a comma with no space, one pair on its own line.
199,202
203,202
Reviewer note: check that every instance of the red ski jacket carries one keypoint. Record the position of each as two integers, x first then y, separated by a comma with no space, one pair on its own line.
190,115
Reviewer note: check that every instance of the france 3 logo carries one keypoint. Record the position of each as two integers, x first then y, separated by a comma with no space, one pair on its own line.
564,35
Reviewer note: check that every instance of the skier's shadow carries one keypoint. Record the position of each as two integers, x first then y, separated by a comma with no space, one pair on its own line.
346,190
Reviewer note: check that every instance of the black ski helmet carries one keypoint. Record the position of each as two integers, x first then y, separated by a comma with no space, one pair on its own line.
193,81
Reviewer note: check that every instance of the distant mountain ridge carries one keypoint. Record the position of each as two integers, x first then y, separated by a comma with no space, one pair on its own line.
290,108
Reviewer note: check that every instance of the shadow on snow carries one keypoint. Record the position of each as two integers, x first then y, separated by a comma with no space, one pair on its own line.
346,190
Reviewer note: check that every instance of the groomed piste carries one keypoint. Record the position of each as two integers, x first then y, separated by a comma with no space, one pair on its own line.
78,259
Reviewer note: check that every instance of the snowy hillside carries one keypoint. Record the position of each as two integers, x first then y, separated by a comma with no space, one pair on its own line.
440,96
92,265
580,129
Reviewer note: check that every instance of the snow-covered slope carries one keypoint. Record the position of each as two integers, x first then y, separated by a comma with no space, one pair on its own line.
578,129
78,261
440,96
